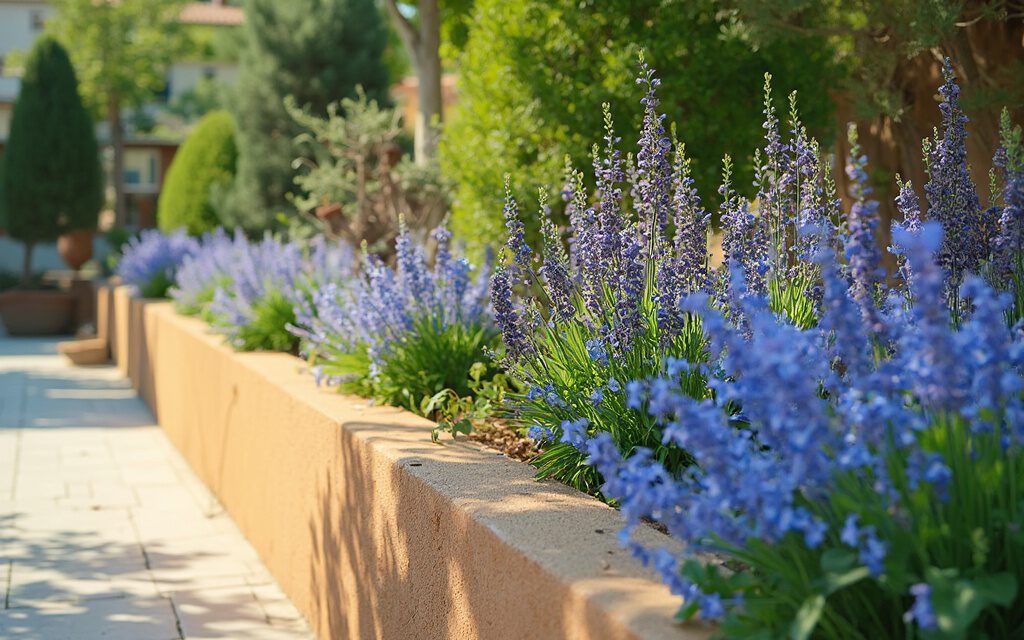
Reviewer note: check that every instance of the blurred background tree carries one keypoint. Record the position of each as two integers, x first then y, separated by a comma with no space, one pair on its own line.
890,52
422,26
203,165
52,179
533,75
354,178
318,51
121,51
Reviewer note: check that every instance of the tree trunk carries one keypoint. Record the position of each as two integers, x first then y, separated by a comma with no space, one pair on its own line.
428,75
26,264
117,147
423,45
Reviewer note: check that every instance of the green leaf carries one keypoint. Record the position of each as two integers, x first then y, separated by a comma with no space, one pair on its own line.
959,601
841,569
838,560
807,617
687,611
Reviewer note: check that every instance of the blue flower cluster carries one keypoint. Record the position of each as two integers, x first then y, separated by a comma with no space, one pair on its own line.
573,322
848,443
812,431
257,270
149,262
205,270
249,290
368,313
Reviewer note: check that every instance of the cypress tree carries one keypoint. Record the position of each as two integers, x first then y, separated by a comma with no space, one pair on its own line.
204,162
52,181
316,50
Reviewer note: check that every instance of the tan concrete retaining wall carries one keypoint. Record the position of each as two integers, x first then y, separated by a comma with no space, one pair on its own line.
105,314
373,531
120,325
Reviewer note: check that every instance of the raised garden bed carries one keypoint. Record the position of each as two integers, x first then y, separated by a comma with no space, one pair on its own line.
372,530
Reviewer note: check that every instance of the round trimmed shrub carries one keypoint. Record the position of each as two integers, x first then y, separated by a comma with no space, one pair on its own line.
205,161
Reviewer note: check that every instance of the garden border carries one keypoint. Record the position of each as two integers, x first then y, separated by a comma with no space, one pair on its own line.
372,530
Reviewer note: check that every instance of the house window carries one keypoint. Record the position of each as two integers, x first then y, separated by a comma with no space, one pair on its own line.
141,172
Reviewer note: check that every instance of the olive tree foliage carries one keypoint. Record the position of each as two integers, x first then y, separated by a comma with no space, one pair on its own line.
352,174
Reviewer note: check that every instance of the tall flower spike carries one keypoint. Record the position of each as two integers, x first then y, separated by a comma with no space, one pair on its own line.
862,254
909,206
555,266
773,175
927,353
1009,244
813,226
952,197
653,167
509,319
685,270
521,253
742,242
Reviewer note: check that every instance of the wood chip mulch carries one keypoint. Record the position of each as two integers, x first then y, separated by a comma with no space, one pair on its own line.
506,439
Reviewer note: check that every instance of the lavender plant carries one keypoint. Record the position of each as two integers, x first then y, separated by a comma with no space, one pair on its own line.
401,335
149,262
1007,265
879,498
206,270
587,322
255,306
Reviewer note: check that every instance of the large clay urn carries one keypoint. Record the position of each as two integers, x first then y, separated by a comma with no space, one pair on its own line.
75,247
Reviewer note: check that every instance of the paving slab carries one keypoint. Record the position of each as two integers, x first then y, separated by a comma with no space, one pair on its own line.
105,532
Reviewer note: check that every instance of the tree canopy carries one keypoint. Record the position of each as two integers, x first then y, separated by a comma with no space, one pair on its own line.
119,49
535,73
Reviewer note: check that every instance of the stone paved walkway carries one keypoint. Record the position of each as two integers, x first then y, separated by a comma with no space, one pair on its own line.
104,530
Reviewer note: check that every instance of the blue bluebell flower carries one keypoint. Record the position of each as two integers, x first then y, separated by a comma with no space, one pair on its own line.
921,612
574,432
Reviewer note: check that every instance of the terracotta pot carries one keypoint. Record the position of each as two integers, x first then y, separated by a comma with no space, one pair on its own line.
36,313
75,247
328,211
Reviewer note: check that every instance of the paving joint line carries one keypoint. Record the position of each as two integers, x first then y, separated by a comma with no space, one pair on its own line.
177,618
7,584
16,467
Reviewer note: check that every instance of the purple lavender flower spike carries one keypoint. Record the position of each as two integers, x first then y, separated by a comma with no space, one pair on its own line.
151,260
862,253
952,196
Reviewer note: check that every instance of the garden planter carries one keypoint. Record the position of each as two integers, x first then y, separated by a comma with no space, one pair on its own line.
75,247
122,298
375,532
36,313
104,314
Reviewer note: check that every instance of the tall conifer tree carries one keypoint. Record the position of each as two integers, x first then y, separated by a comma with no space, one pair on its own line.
316,50
52,180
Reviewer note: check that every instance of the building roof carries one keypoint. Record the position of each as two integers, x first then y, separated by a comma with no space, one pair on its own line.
212,13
